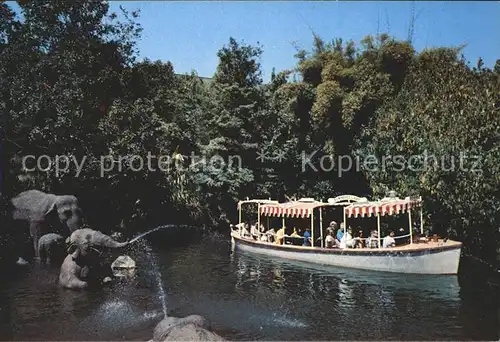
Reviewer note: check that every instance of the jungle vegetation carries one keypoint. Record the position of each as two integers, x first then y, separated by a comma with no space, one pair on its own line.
71,85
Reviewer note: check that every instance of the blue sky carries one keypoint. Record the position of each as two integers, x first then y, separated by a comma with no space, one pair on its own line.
189,33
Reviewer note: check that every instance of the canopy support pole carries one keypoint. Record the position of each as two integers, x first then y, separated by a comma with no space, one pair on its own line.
345,221
239,218
312,228
411,226
378,229
267,228
321,224
421,217
258,220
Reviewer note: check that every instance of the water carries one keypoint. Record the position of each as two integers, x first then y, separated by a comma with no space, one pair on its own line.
156,229
161,290
248,297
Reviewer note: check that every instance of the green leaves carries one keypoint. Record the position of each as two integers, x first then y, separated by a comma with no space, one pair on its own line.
447,111
70,85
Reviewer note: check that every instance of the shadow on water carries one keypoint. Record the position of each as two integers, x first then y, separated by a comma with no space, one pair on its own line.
246,297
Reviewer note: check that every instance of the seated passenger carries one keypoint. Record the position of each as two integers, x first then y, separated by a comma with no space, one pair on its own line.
389,240
340,232
271,233
264,238
307,237
245,231
359,240
254,231
331,228
294,234
280,236
347,240
372,240
330,241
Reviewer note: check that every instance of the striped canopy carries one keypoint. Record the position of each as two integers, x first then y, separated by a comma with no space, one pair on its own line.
290,209
382,208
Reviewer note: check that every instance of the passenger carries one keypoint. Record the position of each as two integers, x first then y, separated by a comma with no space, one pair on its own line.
331,228
264,238
330,240
347,240
254,231
372,240
307,237
280,236
359,240
389,241
294,234
340,232
245,231
271,233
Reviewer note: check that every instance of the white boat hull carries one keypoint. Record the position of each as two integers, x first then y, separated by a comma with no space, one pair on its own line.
417,259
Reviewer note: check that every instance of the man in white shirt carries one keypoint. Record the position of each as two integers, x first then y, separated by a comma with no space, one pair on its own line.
389,241
347,241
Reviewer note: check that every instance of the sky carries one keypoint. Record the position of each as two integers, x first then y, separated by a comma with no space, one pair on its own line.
190,33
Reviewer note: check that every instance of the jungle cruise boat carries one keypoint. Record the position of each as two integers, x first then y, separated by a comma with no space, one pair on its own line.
410,252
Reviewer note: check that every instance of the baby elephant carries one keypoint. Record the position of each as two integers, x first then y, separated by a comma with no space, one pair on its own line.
51,247
82,262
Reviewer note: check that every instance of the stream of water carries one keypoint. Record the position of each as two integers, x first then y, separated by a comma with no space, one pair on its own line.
162,296
246,297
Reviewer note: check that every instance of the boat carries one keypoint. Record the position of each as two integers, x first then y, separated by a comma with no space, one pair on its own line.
419,255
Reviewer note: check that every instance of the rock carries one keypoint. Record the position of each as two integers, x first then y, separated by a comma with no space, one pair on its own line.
107,280
124,272
123,261
190,328
20,261
192,332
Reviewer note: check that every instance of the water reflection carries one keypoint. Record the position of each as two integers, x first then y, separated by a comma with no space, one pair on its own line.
364,304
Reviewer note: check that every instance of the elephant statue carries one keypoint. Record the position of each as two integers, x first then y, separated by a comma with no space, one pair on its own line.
189,328
46,213
83,257
93,238
51,248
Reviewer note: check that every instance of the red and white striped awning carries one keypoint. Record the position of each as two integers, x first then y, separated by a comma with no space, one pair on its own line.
290,209
390,207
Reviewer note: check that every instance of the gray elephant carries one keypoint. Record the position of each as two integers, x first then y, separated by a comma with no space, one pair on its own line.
51,248
93,238
83,257
189,328
46,213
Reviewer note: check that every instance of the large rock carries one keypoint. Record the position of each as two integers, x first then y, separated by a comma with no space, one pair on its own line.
190,328
123,262
124,266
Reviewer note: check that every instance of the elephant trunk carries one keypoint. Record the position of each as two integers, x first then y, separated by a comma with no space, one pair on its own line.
100,239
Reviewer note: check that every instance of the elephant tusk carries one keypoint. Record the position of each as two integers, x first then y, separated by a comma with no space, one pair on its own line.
96,250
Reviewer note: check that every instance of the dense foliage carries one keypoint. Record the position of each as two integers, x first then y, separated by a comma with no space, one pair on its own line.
70,86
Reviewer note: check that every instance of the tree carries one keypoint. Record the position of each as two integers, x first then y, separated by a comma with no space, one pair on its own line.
447,115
